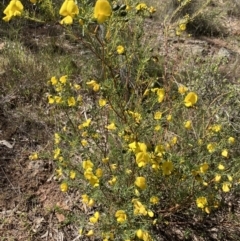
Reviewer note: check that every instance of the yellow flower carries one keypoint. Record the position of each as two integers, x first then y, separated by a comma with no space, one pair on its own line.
216,128
204,167
226,186
33,156
13,9
182,26
113,166
225,153
211,147
190,99
221,167
94,85
99,172
201,202
84,142
94,181
59,172
231,140
143,235
154,200
33,1
85,198
174,141
54,80
102,11
58,99
217,178
182,89
72,174
88,201
207,210
229,178
152,9
112,181
64,187
139,208
105,160
90,233
150,213
121,216
137,147
94,218
160,93
51,100
137,117
63,79
87,165
169,117
68,10
188,124
139,233
157,128
71,101
111,126
56,153
57,138
142,158
167,167
120,49
157,115
86,123
77,86
141,6
140,182
102,102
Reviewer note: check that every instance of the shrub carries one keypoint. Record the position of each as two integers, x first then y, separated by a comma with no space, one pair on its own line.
137,149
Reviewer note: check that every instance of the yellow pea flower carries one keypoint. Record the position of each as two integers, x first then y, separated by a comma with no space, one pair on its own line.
188,124
157,115
68,9
217,178
226,186
94,218
211,147
190,99
141,6
13,9
204,167
182,89
54,80
33,156
225,153
90,233
221,167
140,182
64,187
154,200
121,216
231,140
201,202
72,174
102,11
71,101
120,49
111,126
